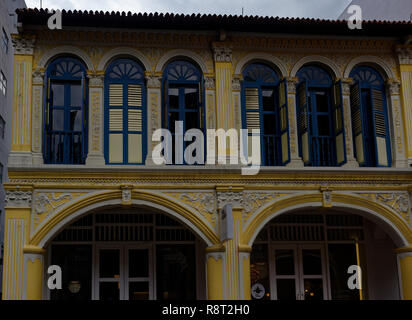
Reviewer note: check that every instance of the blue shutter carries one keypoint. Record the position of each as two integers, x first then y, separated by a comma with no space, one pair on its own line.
284,123
381,130
339,124
304,123
358,125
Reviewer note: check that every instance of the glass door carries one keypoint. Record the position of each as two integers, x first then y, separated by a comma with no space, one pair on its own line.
299,273
124,273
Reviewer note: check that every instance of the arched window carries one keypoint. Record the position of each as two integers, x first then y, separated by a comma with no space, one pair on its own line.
125,113
65,139
264,101
370,118
183,100
320,118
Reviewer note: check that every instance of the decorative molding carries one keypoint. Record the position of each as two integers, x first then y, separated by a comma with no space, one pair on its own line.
126,195
383,64
96,80
404,55
210,83
292,83
222,54
253,200
96,117
326,198
346,84
329,63
234,198
18,198
23,45
46,202
38,78
274,61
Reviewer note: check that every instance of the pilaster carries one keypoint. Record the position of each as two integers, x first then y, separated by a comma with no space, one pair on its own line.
154,115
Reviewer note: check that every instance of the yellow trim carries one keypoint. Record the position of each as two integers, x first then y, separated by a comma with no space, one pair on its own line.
405,266
214,278
34,286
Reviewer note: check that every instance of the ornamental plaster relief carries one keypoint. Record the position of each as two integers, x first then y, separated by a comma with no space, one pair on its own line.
398,201
202,202
46,204
18,198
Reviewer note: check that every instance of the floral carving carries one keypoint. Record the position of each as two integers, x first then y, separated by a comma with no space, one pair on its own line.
18,198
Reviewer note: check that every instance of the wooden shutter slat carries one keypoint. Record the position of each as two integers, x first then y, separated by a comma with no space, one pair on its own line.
134,95
135,120
252,98
116,120
253,120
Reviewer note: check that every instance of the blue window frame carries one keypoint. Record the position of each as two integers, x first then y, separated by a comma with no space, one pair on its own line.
320,118
65,124
182,99
264,107
125,113
370,124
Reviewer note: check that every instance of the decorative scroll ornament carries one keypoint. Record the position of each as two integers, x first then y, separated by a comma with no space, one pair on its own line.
46,202
234,198
210,83
203,202
18,198
394,87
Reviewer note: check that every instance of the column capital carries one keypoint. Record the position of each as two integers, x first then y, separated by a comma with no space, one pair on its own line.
292,83
404,54
210,83
236,84
403,250
346,83
18,198
222,53
96,79
38,77
394,86
153,81
23,45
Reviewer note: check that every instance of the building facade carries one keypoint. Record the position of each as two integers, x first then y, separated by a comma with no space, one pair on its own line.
334,110
8,24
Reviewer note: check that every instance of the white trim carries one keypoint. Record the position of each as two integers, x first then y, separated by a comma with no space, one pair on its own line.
181,53
369,60
264,57
118,202
125,51
317,59
65,50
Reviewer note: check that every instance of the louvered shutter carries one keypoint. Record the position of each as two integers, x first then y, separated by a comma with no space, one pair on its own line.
252,114
134,123
115,123
303,122
339,124
358,128
284,125
380,125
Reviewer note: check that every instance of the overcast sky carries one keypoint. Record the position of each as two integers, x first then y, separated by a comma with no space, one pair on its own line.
327,9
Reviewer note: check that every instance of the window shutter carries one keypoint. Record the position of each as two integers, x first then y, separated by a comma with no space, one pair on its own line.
380,122
284,125
165,119
252,108
339,124
358,128
134,95
303,122
116,136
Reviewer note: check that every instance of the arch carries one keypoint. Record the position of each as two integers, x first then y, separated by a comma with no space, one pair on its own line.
398,228
262,57
328,63
179,53
65,50
84,205
373,61
124,51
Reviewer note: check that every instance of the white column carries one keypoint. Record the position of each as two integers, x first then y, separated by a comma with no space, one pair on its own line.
154,112
37,117
95,156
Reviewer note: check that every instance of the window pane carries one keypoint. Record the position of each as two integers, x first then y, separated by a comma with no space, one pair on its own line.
313,289
138,290
174,98
76,95
322,102
191,120
191,98
57,120
57,94
269,123
138,263
76,120
312,263
109,263
286,289
173,117
285,262
109,291
324,126
259,268
268,99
